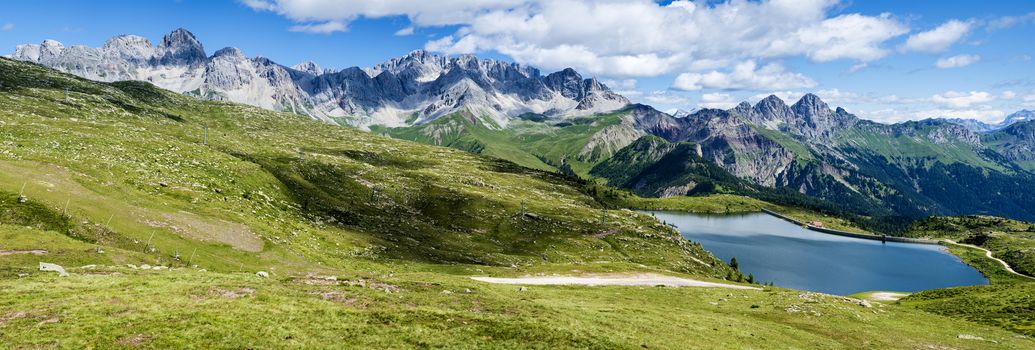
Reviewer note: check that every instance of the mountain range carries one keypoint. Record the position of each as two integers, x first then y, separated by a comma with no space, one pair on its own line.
982,127
415,88
563,121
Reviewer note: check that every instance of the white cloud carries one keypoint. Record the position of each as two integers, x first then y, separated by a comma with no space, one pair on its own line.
261,5
957,61
634,38
744,76
624,87
665,98
938,39
852,36
858,67
1010,21
320,28
6,27
405,31
1007,95
623,84
1029,101
956,99
717,100
989,115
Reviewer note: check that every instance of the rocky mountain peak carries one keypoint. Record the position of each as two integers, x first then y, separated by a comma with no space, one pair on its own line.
123,42
811,105
567,81
814,112
771,100
229,52
772,105
180,38
181,47
1019,116
49,43
129,48
308,67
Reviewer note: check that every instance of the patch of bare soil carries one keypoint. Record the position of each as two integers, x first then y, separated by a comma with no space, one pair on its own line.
30,251
133,340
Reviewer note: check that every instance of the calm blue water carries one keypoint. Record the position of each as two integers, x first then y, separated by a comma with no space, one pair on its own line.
790,256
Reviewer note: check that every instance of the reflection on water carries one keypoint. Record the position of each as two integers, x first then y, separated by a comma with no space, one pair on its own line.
790,256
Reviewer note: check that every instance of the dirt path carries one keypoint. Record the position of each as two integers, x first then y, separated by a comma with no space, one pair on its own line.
988,253
32,251
643,279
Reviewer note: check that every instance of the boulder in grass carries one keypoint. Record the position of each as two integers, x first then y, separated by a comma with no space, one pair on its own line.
263,274
53,268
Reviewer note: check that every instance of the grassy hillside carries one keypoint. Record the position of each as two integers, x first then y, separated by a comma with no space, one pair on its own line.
115,179
1010,301
530,142
1010,240
271,188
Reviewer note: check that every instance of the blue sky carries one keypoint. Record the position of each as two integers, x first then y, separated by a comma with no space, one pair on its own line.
883,60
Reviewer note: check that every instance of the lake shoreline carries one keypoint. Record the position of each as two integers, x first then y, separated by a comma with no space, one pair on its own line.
882,238
792,256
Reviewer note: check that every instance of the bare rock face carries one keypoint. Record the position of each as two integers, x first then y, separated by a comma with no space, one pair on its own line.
1015,142
391,93
180,48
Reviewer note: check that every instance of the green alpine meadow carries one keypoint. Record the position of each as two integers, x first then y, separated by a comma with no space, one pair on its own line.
576,174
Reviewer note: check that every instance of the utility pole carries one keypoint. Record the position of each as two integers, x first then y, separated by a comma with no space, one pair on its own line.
191,260
148,244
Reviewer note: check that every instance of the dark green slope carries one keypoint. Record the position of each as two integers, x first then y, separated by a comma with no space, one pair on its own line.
531,140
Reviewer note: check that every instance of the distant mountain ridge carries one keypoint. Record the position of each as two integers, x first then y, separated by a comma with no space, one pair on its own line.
416,88
982,127
910,169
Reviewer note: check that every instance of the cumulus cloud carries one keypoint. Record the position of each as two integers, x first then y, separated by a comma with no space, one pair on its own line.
957,99
957,61
6,27
938,39
320,28
744,76
635,38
